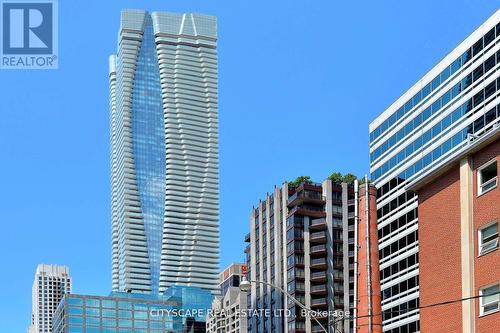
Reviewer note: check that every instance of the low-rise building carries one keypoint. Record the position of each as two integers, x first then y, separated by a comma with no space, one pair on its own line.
180,309
228,313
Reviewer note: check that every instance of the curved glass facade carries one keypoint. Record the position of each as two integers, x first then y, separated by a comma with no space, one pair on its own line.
148,140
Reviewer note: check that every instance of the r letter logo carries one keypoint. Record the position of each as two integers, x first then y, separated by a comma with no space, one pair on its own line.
29,34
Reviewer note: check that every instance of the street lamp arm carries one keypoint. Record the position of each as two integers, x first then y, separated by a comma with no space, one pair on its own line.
302,306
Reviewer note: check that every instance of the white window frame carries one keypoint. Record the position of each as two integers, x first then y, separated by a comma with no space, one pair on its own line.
480,240
480,185
482,305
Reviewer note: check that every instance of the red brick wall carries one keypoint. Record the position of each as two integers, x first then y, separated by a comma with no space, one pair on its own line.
486,209
363,295
439,253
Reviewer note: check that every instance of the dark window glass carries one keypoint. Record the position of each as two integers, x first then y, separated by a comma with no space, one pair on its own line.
402,242
478,124
395,289
477,73
402,199
489,37
490,89
489,63
411,238
490,116
393,183
477,47
478,98
403,264
394,225
411,260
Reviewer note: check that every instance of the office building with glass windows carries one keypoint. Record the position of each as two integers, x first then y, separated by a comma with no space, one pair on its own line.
181,309
164,152
448,111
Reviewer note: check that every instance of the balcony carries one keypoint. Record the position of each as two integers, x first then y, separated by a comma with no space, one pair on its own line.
317,237
318,224
319,263
317,249
318,276
300,287
307,211
315,328
318,290
308,196
318,302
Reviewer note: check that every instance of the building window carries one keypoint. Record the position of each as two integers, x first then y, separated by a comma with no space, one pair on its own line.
488,238
487,177
489,298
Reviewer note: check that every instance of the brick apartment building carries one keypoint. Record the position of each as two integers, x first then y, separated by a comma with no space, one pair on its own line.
459,211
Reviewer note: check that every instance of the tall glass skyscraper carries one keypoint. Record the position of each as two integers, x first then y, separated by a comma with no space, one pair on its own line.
439,118
164,152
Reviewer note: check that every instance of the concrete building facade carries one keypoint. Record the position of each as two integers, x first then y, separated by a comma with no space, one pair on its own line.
50,285
228,313
305,238
229,310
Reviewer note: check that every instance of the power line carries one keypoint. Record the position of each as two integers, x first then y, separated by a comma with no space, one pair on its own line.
421,307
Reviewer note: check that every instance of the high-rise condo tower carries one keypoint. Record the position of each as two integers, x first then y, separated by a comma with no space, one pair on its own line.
164,152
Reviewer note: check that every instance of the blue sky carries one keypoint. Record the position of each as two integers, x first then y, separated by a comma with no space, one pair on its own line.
299,83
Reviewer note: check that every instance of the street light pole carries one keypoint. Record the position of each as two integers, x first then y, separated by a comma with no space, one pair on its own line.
246,284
